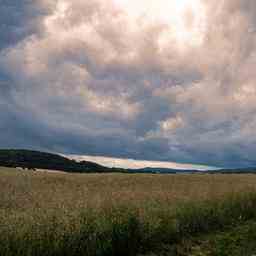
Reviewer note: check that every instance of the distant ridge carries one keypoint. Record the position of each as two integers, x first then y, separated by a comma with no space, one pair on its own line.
42,160
163,170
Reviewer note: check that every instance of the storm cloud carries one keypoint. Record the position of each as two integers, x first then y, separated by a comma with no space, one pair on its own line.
85,77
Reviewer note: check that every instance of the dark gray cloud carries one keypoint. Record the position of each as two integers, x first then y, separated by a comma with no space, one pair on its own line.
19,19
84,77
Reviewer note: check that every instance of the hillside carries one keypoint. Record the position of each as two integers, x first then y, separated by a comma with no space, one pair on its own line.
41,160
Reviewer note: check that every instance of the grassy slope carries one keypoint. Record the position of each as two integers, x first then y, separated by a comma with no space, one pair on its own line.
237,241
115,214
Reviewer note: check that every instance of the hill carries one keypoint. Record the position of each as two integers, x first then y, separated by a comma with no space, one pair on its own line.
154,170
41,160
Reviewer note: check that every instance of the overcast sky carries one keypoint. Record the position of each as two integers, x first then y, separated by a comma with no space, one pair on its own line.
152,80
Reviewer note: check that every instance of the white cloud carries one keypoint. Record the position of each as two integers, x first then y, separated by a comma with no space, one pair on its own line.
137,164
160,86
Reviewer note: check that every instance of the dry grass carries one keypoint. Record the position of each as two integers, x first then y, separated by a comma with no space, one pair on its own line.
47,207
28,190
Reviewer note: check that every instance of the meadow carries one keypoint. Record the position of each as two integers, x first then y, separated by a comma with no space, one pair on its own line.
121,214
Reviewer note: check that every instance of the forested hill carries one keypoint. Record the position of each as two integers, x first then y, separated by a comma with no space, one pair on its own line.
41,160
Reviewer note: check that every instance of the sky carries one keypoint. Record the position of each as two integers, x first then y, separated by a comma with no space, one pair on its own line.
155,80
127,163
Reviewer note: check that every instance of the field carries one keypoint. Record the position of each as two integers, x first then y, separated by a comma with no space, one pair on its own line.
120,214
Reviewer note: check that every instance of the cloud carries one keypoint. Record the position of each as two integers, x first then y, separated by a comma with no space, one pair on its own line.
91,77
137,164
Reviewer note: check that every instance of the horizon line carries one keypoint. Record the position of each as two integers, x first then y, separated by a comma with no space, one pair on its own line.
130,163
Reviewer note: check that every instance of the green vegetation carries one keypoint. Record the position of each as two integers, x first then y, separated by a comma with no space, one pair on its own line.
236,241
121,214
40,160
239,241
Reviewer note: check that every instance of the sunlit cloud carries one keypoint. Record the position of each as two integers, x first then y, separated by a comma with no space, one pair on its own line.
156,80
137,164
185,20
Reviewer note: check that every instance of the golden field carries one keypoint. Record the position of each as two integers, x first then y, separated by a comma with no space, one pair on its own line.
30,190
44,213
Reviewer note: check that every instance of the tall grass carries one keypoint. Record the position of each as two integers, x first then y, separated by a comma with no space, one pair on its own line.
33,228
119,231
